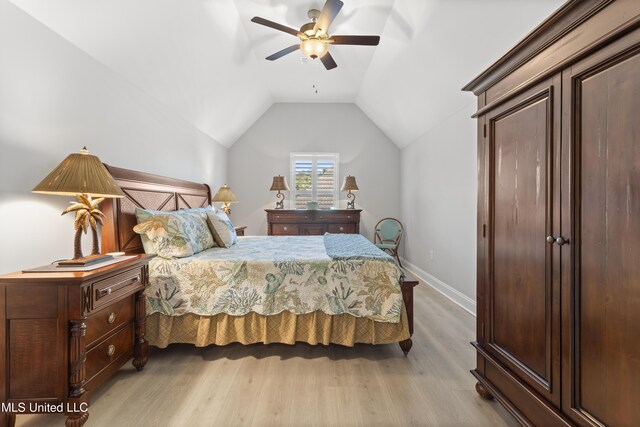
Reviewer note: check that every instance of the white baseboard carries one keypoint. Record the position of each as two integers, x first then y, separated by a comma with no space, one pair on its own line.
454,295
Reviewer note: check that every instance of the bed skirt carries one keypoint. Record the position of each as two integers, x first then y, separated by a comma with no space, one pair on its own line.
288,328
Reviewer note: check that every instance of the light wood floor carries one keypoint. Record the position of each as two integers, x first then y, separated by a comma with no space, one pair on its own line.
302,385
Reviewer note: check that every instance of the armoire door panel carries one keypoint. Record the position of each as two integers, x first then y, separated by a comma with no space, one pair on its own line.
604,345
523,328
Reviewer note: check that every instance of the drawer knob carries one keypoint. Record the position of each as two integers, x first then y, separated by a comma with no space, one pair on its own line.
341,228
109,291
111,350
111,318
277,216
349,216
285,228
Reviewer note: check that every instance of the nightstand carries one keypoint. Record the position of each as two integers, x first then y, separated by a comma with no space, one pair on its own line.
240,230
64,334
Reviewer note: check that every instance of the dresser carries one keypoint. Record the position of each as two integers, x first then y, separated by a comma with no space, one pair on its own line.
65,334
293,222
558,277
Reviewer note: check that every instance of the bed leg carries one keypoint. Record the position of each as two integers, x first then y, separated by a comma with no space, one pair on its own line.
406,346
407,283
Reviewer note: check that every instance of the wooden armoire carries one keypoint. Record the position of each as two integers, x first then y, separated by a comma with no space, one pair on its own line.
558,294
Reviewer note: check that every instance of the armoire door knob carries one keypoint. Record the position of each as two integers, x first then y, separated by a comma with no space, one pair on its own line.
550,239
560,241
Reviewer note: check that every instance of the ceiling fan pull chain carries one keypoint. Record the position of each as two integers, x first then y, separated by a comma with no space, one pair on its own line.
315,76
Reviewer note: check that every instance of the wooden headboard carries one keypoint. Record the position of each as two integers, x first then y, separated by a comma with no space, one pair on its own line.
145,191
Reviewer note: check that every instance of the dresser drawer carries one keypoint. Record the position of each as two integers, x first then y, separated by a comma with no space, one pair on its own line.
108,351
312,229
338,217
108,319
284,229
290,216
107,290
341,228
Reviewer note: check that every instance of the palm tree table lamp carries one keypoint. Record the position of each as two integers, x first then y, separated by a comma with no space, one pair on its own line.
226,196
84,176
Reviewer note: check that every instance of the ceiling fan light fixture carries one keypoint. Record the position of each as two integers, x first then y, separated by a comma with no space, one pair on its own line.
308,29
314,36
314,48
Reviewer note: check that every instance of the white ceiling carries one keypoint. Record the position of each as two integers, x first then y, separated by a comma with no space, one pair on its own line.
205,59
432,49
290,79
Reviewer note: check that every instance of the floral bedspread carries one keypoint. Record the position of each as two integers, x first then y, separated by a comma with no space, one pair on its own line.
268,275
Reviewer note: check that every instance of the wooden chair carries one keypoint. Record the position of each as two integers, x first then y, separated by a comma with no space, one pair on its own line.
389,231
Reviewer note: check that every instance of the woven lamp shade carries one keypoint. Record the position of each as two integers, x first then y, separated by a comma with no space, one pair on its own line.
349,184
80,173
225,195
279,184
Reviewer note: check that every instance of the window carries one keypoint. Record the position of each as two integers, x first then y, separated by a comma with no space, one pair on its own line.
314,177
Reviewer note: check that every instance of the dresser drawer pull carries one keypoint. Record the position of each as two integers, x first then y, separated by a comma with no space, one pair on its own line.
111,350
111,318
349,216
277,216
107,291
285,228
341,228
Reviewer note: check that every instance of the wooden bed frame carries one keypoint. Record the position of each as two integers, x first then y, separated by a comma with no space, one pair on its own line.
148,191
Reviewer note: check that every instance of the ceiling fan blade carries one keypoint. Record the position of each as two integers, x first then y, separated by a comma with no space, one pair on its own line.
283,52
328,14
274,25
355,40
328,62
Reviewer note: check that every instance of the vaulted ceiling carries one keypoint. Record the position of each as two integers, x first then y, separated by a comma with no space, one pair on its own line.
204,59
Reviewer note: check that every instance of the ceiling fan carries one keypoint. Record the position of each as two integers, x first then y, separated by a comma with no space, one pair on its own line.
314,37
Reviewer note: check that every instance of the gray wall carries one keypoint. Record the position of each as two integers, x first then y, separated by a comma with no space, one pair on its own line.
423,109
54,99
438,193
263,151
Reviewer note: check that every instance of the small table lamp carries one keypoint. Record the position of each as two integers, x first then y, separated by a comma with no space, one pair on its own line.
350,185
226,196
279,184
84,176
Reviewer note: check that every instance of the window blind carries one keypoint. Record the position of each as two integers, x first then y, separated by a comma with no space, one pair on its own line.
315,178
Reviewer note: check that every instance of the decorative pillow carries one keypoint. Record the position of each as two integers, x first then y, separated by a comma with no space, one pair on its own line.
144,214
223,231
176,235
201,211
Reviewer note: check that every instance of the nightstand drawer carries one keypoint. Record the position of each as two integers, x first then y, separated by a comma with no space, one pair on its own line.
111,349
284,229
112,288
108,319
341,228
